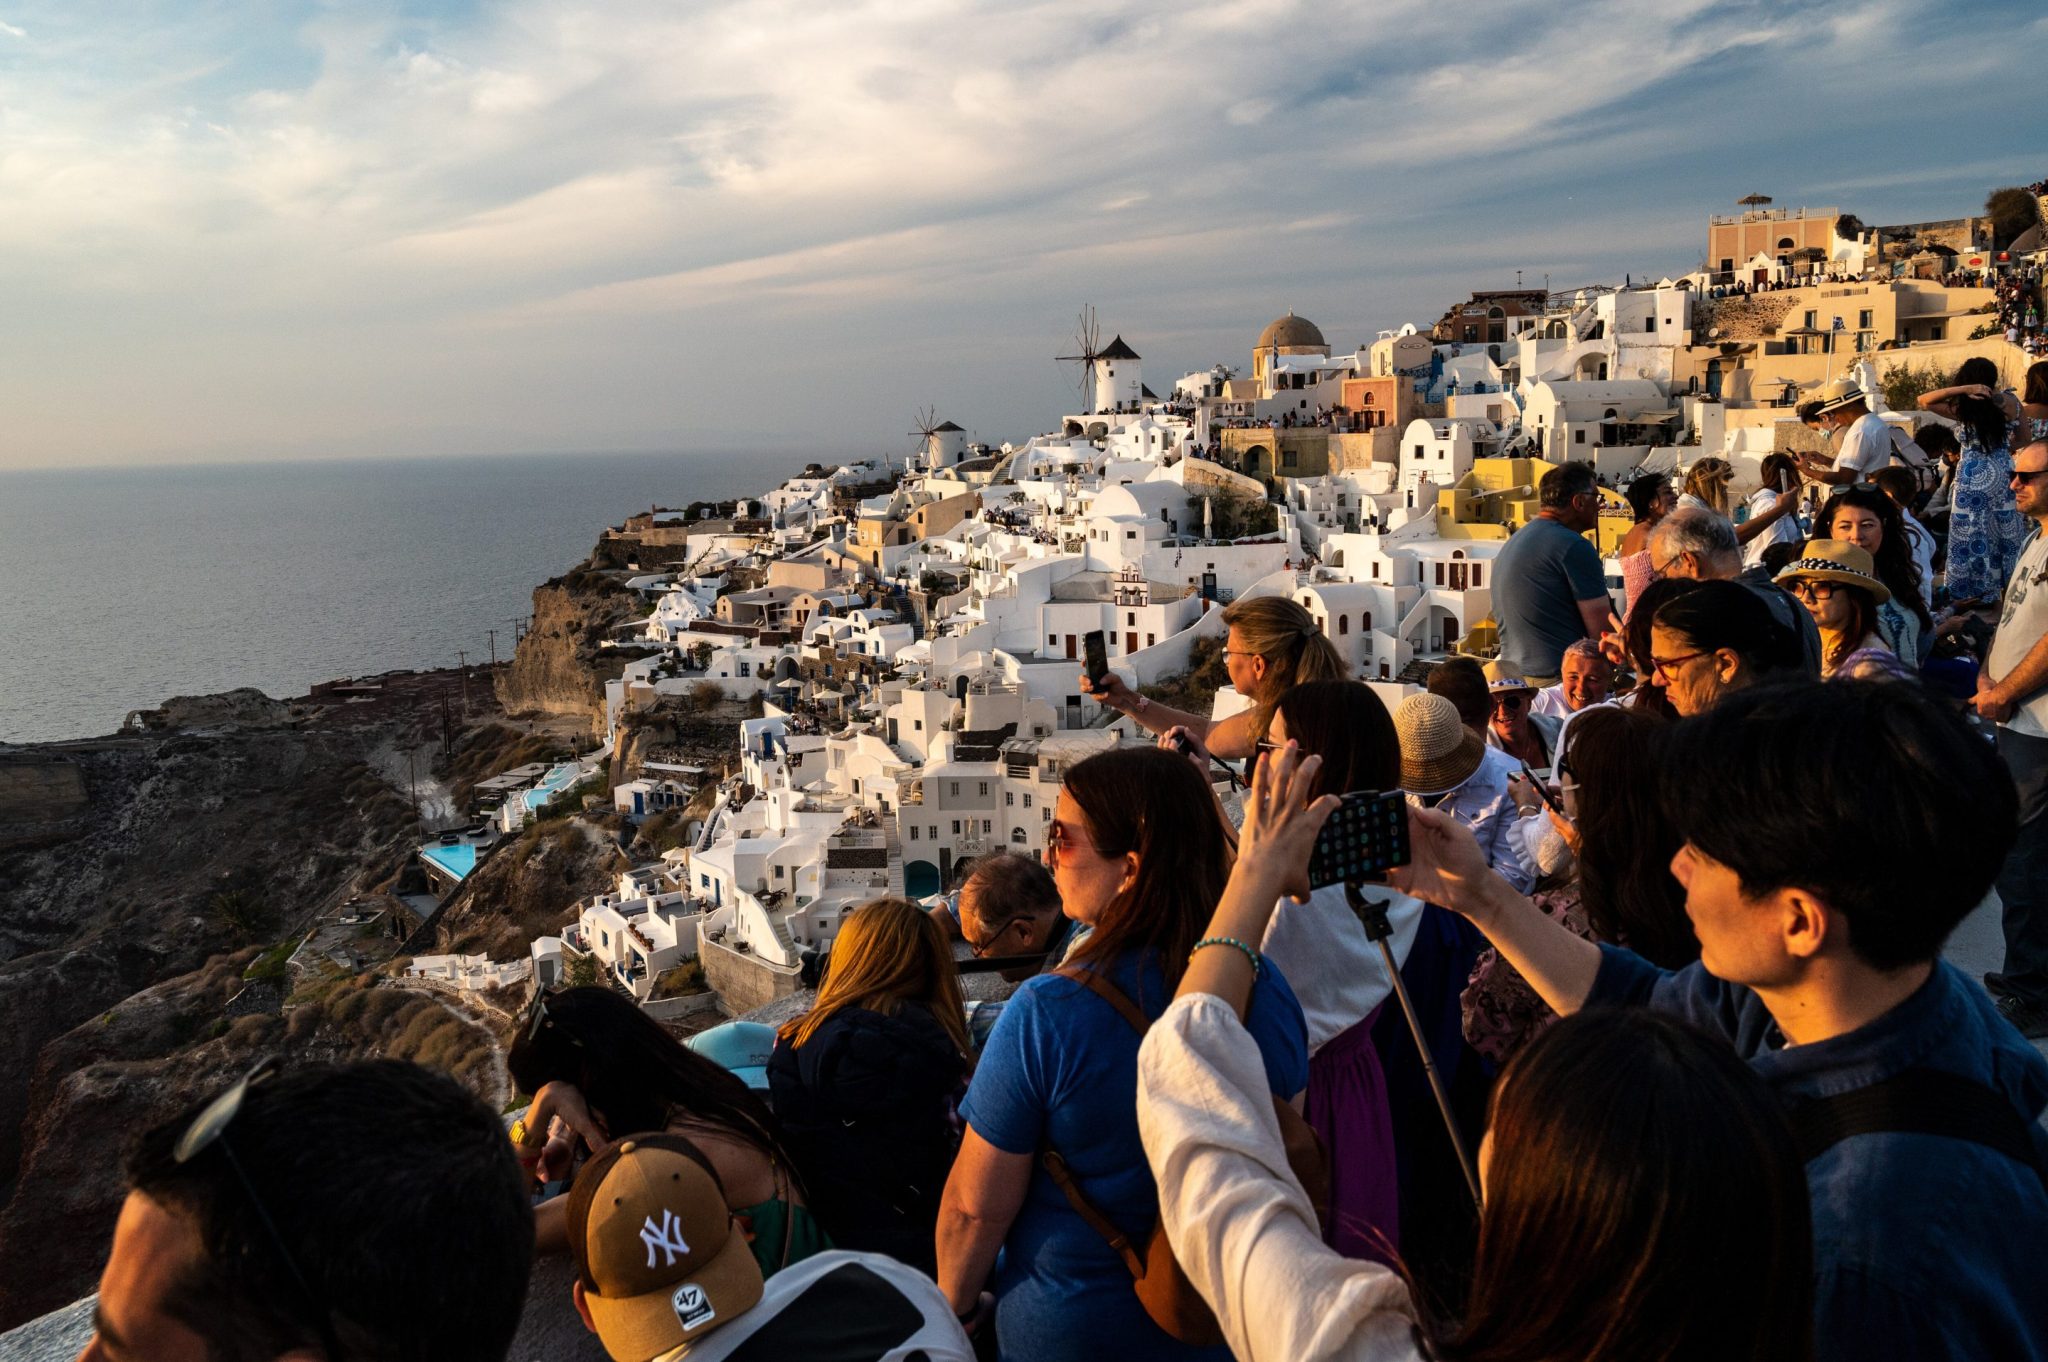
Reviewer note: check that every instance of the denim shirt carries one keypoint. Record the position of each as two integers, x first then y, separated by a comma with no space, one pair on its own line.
1923,1246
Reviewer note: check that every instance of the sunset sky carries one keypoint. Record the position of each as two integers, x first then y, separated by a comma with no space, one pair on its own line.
277,229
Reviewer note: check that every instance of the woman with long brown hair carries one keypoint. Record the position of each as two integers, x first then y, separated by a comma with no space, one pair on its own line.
1138,854
864,1083
1273,644
1838,584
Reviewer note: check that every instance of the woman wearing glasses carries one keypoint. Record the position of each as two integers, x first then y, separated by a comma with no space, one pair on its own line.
1838,583
1867,518
1273,644
1138,854
1716,638
601,1069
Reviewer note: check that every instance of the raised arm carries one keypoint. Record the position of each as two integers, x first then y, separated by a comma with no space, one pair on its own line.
1757,524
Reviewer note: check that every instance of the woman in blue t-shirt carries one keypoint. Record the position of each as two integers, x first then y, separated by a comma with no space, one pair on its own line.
1137,850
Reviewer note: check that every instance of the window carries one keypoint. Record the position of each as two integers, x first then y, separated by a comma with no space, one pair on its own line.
984,788
1027,801
1149,640
746,669
987,827
1418,451
917,724
1130,534
1812,320
778,872
1439,574
956,827
913,832
933,832
1650,323
1288,457
1578,437
1009,798
1017,835
1365,621
1343,624
1130,617
1052,640
1863,320
1045,814
953,790
1479,574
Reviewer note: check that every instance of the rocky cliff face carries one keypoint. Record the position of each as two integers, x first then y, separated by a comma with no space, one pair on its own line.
558,667
526,889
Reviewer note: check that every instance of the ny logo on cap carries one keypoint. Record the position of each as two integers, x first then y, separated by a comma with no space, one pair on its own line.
668,1237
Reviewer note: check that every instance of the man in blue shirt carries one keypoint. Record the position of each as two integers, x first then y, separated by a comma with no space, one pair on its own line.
1835,834
1548,587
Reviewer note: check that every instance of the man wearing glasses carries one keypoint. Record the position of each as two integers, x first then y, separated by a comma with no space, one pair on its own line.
2012,691
336,1211
1696,543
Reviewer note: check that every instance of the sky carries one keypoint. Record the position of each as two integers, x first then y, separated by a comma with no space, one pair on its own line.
273,229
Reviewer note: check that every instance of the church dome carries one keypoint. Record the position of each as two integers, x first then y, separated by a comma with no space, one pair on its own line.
1292,331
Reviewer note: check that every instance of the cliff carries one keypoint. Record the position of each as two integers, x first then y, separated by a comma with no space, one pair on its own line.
558,667
526,888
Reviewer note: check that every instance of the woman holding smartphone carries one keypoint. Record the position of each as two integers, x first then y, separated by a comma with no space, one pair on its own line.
1781,475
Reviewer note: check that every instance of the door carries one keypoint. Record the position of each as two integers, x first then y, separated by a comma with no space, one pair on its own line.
1457,576
1070,648
1130,643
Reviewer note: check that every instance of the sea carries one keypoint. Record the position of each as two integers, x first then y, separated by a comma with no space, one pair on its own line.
121,587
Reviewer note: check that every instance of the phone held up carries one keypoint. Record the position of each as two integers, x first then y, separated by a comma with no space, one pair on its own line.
1095,655
1365,837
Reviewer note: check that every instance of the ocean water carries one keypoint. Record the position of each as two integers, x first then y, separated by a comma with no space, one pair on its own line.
122,587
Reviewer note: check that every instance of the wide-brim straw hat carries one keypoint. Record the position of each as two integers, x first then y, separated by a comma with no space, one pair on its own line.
1438,753
1836,560
1501,678
1840,392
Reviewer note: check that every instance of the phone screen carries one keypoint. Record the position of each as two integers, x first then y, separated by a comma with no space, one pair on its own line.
1096,657
1366,837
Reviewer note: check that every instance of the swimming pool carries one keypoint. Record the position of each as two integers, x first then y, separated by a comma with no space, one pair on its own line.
456,860
551,785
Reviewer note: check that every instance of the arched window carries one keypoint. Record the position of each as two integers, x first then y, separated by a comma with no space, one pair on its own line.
1365,621
1343,624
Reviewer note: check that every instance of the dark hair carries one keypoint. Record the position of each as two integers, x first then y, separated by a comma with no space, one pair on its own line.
1463,682
1937,441
1005,886
1643,492
1808,411
1635,634
1897,483
1894,556
1776,556
1626,840
1805,785
1348,726
2036,391
1150,801
394,1190
1981,414
633,1073
1729,615
1637,1158
1775,464
1563,483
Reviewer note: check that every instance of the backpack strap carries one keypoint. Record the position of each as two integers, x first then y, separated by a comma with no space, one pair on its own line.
1056,1167
1109,993
1918,1102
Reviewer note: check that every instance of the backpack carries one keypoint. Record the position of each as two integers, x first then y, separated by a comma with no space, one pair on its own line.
1905,450
1918,1102
1169,1298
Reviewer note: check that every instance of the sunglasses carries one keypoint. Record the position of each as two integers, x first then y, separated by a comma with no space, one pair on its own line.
1058,840
1807,590
1661,666
209,1130
2022,477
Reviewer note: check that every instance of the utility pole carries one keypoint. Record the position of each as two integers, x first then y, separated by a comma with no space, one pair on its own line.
494,648
412,773
462,657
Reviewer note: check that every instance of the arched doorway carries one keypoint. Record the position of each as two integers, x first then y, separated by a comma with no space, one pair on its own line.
920,879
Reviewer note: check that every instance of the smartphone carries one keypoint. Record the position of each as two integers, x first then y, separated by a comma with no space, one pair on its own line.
1542,791
1095,654
1366,837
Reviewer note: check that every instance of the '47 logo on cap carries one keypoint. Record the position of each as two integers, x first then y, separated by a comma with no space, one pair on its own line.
692,1306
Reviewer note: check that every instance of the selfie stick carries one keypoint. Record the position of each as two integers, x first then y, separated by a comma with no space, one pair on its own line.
1377,929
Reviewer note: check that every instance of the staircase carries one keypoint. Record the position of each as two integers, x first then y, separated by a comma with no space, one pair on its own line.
895,848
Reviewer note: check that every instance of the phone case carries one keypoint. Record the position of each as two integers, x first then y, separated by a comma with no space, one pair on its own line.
1366,837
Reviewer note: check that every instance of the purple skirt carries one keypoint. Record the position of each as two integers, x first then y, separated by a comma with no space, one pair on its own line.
1347,1106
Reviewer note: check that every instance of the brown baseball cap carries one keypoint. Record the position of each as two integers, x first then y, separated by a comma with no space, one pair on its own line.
660,1258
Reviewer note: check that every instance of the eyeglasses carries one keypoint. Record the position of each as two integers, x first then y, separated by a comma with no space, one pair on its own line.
1661,666
1058,840
1657,570
210,1128
2023,477
1808,590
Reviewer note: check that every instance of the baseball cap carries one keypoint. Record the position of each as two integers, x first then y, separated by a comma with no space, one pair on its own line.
655,1246
741,1046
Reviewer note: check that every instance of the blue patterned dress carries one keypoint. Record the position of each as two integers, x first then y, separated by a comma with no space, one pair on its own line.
1986,530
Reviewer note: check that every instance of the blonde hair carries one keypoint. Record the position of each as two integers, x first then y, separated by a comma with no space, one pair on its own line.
889,952
1708,479
1285,634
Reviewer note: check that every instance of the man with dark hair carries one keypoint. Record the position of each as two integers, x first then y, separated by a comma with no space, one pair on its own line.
1009,905
1548,587
1834,836
1462,681
371,1210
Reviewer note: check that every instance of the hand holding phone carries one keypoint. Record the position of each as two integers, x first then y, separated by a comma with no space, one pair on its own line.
1365,838
1095,655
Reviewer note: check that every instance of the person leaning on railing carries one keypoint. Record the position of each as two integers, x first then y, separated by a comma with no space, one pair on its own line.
1643,1194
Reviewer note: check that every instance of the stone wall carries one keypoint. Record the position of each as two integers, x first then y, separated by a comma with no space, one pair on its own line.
40,798
741,981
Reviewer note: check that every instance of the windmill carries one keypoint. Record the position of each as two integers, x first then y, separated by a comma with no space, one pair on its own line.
927,426
1087,340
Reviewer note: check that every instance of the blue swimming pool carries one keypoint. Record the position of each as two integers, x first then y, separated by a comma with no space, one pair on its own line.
553,784
457,860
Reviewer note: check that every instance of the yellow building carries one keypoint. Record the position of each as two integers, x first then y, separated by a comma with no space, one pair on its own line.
1498,497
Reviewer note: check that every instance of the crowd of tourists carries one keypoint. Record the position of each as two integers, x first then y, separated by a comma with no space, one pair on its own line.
1647,1051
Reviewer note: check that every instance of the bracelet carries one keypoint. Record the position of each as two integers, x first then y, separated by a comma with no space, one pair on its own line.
1249,953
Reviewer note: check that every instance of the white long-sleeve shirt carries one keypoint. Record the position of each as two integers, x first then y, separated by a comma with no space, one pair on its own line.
1241,1226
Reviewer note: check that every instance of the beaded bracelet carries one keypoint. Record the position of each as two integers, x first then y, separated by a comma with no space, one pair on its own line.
1249,953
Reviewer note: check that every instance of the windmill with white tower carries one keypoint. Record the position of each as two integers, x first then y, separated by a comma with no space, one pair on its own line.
1110,377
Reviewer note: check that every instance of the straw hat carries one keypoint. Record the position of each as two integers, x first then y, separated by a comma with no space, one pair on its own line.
1502,677
1438,753
1840,393
1836,560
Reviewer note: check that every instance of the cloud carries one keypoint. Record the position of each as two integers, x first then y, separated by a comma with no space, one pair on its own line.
584,220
